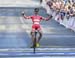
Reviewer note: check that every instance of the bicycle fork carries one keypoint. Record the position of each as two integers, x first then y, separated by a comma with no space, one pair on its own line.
35,33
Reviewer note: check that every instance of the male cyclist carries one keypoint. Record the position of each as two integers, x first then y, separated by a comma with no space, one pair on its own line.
36,24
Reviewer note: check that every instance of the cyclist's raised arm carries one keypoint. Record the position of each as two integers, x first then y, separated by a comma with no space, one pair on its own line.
48,18
26,17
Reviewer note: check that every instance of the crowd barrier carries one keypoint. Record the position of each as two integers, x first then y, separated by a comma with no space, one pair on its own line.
67,22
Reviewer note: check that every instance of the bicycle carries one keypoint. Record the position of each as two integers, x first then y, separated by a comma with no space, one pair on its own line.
36,19
34,42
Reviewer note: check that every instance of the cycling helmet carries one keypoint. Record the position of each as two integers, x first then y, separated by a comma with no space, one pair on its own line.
36,9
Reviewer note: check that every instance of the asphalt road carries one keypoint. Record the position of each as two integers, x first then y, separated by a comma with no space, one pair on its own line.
14,30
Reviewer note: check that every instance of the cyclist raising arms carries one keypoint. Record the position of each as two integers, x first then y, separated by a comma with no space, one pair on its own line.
36,24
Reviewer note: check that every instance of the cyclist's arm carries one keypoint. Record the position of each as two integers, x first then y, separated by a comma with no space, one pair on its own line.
48,18
26,17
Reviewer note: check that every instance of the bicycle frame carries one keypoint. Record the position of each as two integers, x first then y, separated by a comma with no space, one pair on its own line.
34,43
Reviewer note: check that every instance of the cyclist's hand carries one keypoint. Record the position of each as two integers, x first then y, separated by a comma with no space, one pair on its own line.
49,16
23,13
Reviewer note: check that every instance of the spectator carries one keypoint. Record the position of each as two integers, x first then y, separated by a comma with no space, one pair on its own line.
49,3
41,1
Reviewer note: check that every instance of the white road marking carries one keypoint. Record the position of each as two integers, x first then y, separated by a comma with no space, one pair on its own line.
2,27
37,49
59,35
51,57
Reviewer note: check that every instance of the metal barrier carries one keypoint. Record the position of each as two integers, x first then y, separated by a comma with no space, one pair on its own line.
68,23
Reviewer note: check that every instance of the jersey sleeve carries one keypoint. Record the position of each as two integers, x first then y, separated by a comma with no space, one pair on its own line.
46,19
41,17
31,17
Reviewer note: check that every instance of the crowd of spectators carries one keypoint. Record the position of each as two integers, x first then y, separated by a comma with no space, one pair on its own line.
62,9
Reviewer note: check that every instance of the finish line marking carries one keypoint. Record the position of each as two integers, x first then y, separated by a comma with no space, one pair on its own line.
38,54
38,49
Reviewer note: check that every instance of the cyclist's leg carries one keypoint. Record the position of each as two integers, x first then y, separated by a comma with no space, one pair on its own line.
39,37
40,33
33,34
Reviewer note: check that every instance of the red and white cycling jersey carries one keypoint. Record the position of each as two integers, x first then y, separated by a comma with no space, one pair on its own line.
36,19
36,22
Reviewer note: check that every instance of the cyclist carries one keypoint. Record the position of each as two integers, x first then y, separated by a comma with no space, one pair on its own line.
36,24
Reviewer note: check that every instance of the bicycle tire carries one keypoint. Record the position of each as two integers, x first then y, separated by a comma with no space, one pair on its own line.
35,33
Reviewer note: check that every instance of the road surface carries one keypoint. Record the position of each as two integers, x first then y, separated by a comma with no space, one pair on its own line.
14,30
